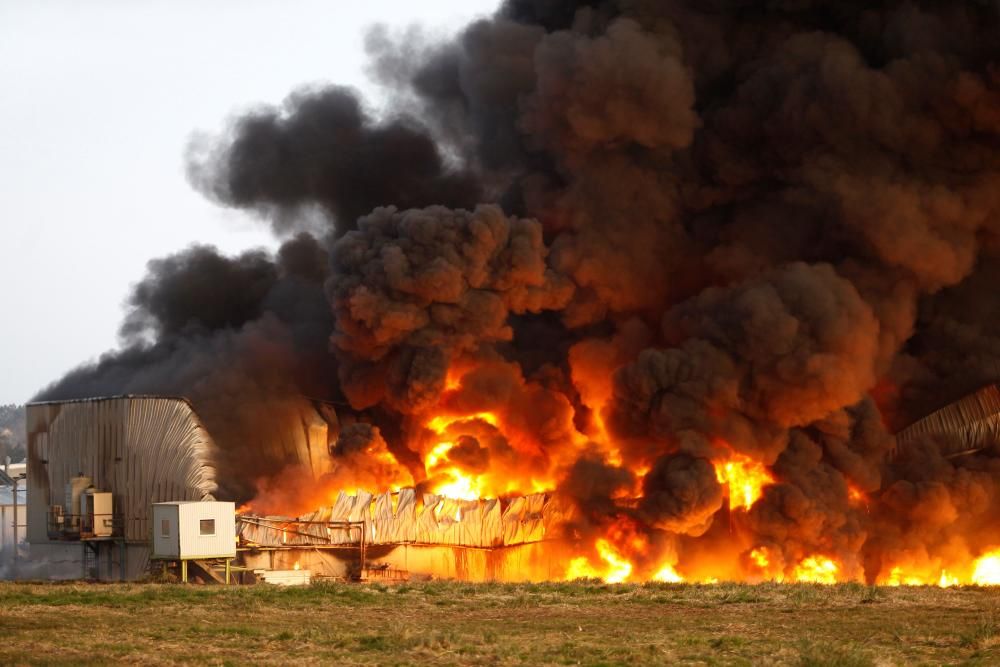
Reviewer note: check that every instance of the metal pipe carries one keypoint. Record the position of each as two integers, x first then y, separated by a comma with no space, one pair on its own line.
363,531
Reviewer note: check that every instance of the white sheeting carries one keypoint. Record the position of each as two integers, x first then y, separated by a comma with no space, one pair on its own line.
395,519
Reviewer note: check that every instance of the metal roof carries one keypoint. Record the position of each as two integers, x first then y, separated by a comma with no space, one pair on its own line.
97,399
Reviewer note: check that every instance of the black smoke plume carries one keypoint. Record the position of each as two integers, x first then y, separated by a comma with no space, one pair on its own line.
717,227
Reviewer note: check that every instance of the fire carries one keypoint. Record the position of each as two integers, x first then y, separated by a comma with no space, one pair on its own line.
441,423
946,580
668,574
855,495
580,568
296,567
616,568
816,569
983,571
897,578
619,568
769,567
986,569
745,479
460,485
453,442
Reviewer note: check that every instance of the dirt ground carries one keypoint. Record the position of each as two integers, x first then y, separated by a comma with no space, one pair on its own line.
448,623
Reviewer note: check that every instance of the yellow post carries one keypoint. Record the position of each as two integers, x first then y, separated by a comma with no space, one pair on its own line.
184,571
228,564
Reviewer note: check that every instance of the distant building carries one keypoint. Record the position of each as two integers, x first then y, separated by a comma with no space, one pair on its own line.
9,474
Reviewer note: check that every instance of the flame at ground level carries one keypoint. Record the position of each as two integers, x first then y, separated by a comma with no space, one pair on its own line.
469,454
986,570
614,569
624,554
816,569
668,574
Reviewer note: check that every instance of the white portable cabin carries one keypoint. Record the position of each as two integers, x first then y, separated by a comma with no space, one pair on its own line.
192,529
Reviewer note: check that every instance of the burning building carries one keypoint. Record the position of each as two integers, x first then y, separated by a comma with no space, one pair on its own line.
683,267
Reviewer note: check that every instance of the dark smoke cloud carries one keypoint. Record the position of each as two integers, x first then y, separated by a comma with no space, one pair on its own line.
199,290
681,494
752,361
245,338
413,290
712,228
323,148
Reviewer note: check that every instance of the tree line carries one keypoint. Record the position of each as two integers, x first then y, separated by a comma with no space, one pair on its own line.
13,439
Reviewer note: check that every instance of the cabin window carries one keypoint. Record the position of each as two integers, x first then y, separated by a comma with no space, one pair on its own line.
165,528
208,526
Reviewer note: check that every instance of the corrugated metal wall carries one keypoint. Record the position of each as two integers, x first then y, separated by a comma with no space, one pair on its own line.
395,519
143,449
965,425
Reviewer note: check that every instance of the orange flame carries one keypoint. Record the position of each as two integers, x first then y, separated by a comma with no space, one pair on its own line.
983,571
946,580
459,485
816,569
986,569
616,568
668,574
760,558
745,479
898,578
627,550
855,495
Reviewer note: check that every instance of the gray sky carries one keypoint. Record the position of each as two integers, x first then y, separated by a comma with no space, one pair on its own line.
97,101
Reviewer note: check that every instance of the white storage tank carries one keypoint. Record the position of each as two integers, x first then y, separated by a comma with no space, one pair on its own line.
192,529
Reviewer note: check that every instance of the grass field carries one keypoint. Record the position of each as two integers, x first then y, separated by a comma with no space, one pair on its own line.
499,624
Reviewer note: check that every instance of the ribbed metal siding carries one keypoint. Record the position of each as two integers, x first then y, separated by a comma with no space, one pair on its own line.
143,449
485,523
967,424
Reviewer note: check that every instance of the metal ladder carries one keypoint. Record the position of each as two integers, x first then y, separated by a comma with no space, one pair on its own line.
90,561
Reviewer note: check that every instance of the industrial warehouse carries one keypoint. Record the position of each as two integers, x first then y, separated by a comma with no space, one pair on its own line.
500,332
122,487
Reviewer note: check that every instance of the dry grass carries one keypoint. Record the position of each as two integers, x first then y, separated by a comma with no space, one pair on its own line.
499,624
